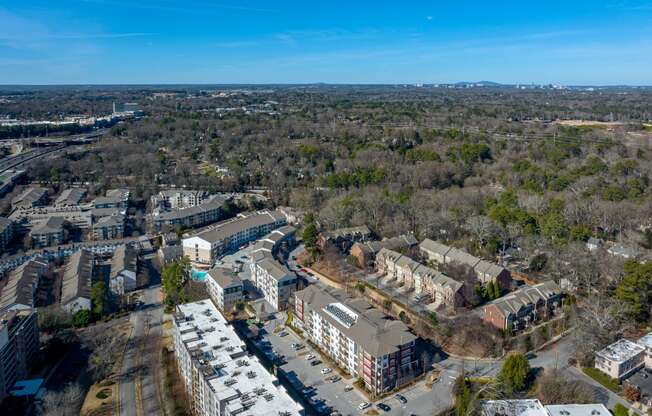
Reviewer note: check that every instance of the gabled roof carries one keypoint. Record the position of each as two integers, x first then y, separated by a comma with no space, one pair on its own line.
124,258
531,295
51,225
77,276
21,283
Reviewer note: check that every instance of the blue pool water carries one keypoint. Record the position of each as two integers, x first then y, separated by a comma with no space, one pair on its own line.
198,275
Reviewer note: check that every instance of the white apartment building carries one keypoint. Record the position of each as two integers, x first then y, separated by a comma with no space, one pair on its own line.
533,407
620,359
220,377
179,198
274,280
203,248
224,288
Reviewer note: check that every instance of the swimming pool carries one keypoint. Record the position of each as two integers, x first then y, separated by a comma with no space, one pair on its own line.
198,275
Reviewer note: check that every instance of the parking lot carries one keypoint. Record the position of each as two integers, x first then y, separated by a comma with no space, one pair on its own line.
332,397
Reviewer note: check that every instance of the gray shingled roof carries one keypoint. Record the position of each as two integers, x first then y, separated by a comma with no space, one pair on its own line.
513,302
21,283
124,258
179,213
70,196
374,331
233,226
77,276
224,277
51,225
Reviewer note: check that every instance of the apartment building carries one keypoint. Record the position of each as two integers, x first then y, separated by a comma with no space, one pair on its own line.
51,232
275,281
344,238
219,376
109,228
279,240
29,217
203,248
362,340
30,198
646,342
533,407
193,216
19,344
21,290
485,271
365,253
77,281
70,197
620,359
124,269
424,280
115,198
224,288
179,198
523,307
6,233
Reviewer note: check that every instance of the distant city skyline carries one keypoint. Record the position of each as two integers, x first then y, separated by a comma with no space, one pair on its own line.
383,42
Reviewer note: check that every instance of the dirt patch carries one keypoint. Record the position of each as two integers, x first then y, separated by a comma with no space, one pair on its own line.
96,406
590,123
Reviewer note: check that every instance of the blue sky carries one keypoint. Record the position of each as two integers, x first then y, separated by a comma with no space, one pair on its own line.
240,41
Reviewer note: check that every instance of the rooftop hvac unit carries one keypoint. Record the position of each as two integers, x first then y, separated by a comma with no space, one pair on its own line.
230,382
251,374
269,397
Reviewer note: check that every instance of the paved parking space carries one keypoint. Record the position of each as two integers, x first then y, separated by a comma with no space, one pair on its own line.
332,397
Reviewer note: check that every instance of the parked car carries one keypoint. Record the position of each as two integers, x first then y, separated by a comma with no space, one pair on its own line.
363,405
326,370
383,407
283,334
348,387
314,363
310,357
335,379
401,398
299,347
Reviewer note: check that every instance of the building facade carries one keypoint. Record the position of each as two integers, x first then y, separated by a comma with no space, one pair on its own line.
362,340
6,233
124,270
524,307
620,359
203,248
442,289
485,271
109,228
207,212
224,288
19,345
275,281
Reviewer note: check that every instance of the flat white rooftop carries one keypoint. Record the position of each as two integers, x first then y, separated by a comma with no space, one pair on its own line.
597,409
621,350
513,408
235,377
646,341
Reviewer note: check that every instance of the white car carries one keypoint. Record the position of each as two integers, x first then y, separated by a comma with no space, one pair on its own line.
326,370
363,405
310,357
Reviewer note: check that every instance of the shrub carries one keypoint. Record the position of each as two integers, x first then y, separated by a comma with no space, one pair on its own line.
602,378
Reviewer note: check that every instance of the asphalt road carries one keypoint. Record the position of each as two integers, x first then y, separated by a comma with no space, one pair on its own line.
138,389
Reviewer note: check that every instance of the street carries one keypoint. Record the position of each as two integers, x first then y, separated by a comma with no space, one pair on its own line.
138,389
